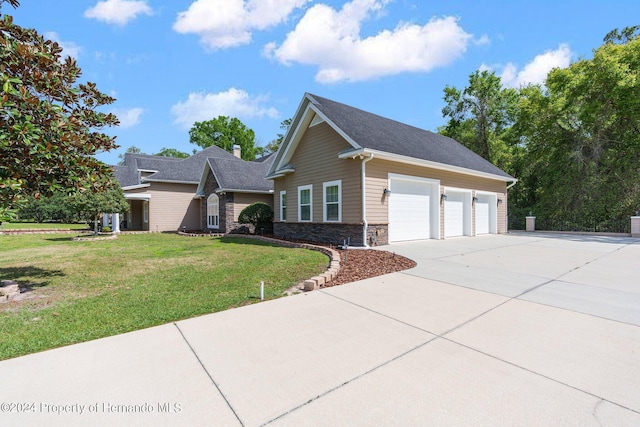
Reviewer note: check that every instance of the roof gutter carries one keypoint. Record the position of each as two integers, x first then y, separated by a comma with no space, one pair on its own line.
365,224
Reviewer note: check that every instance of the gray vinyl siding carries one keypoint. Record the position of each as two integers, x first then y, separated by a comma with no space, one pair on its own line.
316,161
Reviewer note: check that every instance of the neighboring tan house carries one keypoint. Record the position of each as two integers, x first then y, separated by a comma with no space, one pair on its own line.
343,174
162,191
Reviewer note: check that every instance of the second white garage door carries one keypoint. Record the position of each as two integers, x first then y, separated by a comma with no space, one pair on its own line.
412,215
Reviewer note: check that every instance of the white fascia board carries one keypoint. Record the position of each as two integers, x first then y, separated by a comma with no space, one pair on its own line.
172,182
137,196
306,111
147,170
430,164
203,178
135,187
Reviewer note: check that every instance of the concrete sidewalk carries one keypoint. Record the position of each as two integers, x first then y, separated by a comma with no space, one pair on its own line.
494,330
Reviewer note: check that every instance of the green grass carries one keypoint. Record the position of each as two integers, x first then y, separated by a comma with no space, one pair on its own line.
41,226
88,290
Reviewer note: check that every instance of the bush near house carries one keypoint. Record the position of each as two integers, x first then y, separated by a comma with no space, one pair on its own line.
258,214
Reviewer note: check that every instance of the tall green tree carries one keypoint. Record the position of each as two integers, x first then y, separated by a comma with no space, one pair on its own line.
172,152
273,146
480,116
49,124
582,134
224,132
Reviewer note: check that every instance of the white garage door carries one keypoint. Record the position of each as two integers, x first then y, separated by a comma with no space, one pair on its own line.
409,207
482,214
454,214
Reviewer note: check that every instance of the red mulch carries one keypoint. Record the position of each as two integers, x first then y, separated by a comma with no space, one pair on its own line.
358,264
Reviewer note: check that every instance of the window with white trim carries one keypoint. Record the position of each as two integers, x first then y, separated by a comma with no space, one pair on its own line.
283,206
213,211
305,205
332,201
145,211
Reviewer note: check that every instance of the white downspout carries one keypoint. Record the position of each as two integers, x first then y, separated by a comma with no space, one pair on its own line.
364,200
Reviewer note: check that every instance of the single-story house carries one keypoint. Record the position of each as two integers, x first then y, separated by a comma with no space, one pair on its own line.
165,193
344,174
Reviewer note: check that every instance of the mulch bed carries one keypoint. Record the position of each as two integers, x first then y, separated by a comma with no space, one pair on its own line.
359,264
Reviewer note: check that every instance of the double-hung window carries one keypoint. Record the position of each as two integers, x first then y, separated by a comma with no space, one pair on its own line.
213,211
332,201
305,203
283,206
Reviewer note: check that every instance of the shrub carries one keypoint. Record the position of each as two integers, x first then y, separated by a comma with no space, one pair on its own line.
258,214
106,229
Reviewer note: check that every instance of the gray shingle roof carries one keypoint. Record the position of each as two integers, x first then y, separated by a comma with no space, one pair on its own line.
241,175
375,132
190,169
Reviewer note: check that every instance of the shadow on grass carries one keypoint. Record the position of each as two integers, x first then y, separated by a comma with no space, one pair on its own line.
242,240
29,276
60,239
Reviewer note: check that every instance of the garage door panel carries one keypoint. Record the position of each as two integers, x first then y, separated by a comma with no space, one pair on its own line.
409,207
454,215
482,217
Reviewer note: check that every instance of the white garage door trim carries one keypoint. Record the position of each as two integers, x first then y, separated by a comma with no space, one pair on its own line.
457,212
486,213
413,208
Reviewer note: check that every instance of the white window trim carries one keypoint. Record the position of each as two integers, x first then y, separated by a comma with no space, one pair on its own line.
300,190
210,214
283,216
337,183
145,212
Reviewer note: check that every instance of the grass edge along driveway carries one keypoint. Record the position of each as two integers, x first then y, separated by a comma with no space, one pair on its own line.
82,291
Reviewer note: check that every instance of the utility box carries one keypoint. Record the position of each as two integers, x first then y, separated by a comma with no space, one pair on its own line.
531,223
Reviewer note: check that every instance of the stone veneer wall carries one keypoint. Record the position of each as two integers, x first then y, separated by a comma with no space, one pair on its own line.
378,234
227,224
334,234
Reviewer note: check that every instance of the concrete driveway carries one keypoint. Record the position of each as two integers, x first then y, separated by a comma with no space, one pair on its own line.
522,329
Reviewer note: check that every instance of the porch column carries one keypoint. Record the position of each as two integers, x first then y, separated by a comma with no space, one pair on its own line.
105,220
115,219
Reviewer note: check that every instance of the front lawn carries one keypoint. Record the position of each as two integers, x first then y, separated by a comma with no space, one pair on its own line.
42,226
87,290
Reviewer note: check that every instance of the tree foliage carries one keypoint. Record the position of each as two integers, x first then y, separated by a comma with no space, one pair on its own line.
49,126
57,208
224,132
259,214
172,152
480,116
573,144
583,134
273,146
90,205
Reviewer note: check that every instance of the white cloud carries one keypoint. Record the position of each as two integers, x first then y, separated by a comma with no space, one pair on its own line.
128,117
331,40
233,103
118,12
68,48
535,72
226,23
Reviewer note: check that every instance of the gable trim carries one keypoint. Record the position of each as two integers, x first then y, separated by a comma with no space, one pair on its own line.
135,187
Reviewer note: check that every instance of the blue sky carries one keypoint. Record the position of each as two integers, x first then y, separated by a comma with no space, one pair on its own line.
171,63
